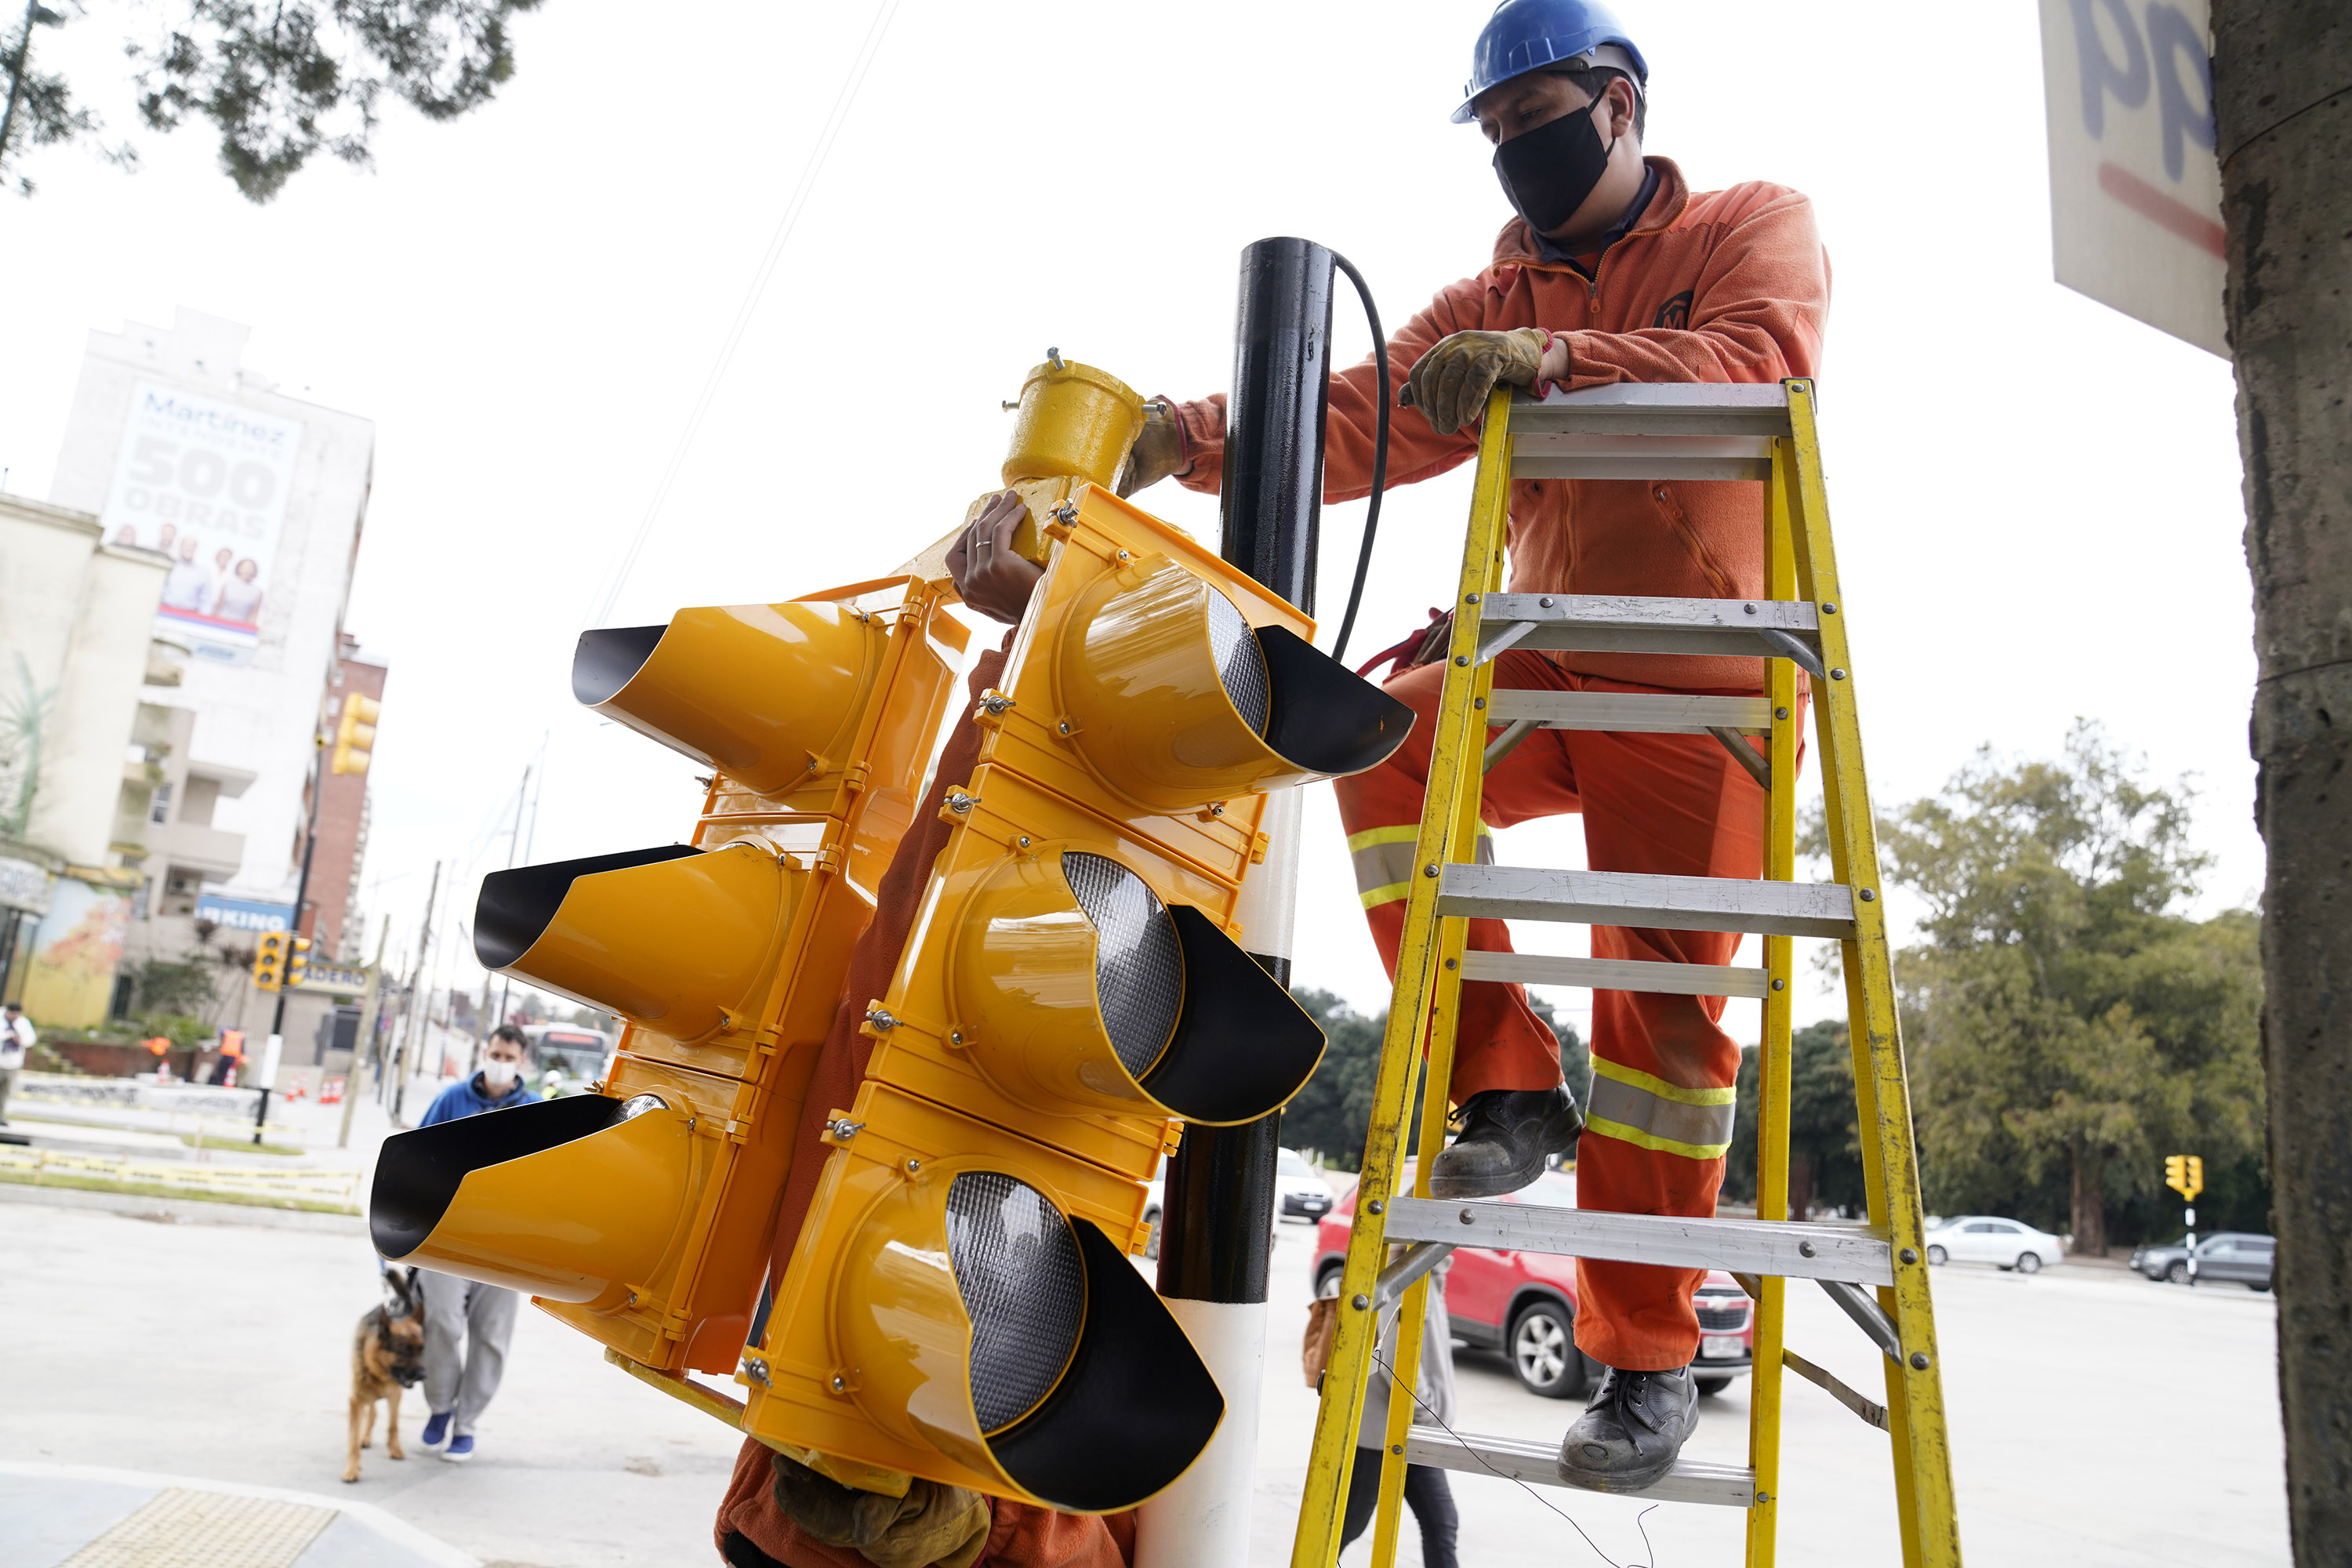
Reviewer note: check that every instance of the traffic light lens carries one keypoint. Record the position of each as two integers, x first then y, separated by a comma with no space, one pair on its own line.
1023,1287
1139,964
1241,665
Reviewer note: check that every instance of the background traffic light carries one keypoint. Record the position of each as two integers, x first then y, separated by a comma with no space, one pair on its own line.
298,960
270,961
643,1214
354,734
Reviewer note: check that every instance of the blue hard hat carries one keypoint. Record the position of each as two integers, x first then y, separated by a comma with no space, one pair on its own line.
1524,36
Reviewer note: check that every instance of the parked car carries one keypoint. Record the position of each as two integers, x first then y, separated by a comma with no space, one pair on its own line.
1990,1238
1301,1187
1523,1304
2234,1255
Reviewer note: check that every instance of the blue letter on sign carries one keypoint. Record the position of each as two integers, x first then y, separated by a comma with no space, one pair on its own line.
2101,75
2169,38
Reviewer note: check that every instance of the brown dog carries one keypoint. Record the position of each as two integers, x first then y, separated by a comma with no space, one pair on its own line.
388,1356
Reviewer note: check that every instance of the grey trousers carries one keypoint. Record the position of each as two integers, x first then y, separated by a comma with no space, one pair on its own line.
467,1327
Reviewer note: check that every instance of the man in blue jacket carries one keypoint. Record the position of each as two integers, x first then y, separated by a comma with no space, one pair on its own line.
466,1322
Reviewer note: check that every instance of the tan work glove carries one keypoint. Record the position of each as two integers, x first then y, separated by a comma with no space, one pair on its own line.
1451,383
1158,453
932,1523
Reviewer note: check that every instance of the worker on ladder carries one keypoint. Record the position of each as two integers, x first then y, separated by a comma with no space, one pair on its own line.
1613,272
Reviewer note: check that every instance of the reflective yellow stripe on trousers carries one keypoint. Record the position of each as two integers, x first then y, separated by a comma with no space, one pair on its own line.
1384,857
1636,1107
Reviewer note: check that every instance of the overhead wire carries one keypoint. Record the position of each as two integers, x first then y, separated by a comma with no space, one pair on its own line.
826,135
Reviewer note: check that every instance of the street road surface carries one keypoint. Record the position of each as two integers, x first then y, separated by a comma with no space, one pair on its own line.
2097,1419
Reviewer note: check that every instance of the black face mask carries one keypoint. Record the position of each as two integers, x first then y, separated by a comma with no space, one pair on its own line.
1546,173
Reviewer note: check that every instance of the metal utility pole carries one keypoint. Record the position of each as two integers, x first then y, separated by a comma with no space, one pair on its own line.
423,940
514,843
363,1041
2283,103
1217,1227
272,1050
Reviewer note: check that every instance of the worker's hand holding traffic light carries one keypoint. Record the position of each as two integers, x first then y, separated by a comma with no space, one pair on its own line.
1158,453
991,576
1451,383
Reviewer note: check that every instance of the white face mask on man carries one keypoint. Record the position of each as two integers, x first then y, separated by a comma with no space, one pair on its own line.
498,1075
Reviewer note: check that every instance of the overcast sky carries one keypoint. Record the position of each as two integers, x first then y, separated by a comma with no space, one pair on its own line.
2037,499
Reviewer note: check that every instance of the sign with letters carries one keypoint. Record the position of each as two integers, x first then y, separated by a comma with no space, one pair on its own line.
2135,187
204,481
243,914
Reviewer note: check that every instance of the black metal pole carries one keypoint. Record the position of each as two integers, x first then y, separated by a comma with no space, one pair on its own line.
294,934
1216,1240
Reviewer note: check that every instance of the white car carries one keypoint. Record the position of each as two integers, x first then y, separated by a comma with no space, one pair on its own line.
1987,1238
1299,1188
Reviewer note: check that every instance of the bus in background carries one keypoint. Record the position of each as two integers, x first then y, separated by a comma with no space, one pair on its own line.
566,1058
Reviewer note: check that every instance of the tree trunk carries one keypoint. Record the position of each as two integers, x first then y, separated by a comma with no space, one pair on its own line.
2089,1205
1800,1184
2283,97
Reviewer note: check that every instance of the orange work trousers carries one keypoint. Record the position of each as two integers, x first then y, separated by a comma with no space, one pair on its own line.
1660,1114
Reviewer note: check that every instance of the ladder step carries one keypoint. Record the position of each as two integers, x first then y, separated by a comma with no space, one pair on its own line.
1547,457
1537,1463
1657,408
1617,623
1631,712
1634,899
1791,1250
1617,975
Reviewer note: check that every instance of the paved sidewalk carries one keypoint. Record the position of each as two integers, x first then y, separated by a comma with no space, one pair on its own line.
82,1516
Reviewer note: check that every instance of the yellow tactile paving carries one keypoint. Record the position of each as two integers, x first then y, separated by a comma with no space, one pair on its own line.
185,1528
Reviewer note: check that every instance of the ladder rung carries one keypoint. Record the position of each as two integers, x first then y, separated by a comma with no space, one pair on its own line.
1617,623
1792,1250
1537,1463
1617,975
1630,713
1547,457
1658,408
1634,899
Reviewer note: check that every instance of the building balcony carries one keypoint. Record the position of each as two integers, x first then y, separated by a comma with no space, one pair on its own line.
183,845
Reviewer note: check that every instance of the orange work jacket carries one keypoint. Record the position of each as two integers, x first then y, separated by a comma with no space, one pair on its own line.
1725,286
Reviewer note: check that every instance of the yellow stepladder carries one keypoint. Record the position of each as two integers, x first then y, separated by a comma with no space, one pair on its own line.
1876,1274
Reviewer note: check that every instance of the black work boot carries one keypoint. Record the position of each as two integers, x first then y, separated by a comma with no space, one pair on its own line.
1628,1436
1506,1133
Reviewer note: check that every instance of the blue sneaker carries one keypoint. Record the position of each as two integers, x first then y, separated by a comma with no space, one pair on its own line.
436,1430
460,1448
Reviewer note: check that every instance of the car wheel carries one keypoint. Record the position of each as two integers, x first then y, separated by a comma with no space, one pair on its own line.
1938,1257
1544,1356
1152,1242
1327,1284
2179,1272
2029,1263
1712,1385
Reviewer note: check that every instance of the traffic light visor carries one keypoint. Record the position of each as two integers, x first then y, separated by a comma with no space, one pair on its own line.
673,937
1076,988
768,694
570,1199
1176,701
991,1326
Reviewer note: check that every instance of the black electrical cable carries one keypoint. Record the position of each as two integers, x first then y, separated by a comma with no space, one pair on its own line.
1381,400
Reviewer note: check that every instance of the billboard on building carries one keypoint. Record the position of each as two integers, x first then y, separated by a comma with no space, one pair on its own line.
205,482
244,914
69,982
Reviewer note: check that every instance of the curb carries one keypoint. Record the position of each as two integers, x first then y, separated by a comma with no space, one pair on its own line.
184,1211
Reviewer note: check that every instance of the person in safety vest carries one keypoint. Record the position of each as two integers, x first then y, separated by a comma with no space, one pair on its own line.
1614,270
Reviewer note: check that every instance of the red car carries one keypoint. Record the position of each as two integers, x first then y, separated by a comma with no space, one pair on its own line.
1524,1303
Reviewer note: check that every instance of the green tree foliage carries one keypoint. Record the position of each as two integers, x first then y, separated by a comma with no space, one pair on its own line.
1824,1146
172,986
282,80
2066,1026
1331,1113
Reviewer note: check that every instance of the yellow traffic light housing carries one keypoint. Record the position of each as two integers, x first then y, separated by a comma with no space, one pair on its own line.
355,734
298,960
269,961
643,1214
2184,1174
969,1313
